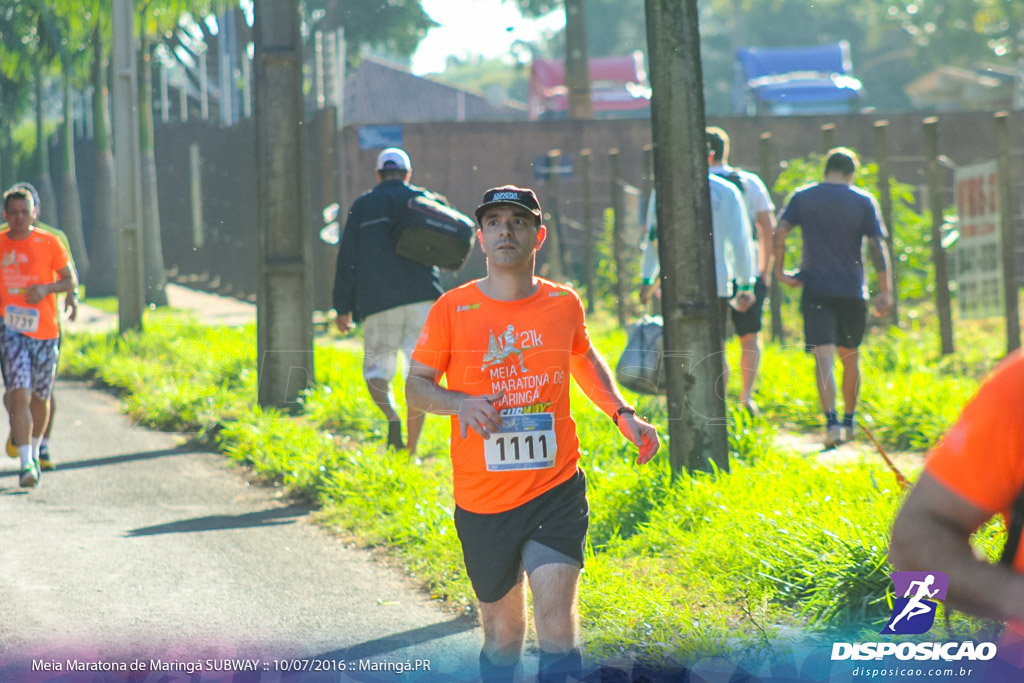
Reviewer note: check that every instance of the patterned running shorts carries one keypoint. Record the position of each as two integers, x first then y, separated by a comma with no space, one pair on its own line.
29,363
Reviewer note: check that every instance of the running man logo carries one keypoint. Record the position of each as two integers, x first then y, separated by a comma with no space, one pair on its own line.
500,348
914,612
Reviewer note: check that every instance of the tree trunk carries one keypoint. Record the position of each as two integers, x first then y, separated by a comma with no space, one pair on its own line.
43,181
577,63
70,204
5,151
5,143
102,279
152,248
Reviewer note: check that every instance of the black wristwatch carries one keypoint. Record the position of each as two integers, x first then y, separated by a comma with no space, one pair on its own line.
622,411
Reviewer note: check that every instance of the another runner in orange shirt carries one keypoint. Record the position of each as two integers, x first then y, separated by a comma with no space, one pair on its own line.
46,461
507,345
34,266
974,473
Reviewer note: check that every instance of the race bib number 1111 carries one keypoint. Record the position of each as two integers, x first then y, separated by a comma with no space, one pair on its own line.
524,442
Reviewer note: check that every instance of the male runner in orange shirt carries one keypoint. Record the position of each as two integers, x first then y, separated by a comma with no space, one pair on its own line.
507,344
33,267
974,473
46,462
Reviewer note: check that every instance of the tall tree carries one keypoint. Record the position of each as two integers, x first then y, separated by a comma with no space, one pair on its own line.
48,211
156,18
102,280
72,47
577,62
15,80
39,45
152,247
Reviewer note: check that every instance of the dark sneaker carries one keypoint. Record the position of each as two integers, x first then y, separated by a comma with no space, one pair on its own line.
46,464
395,434
29,475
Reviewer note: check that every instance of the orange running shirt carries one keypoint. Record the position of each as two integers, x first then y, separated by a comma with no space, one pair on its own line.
32,261
982,457
483,346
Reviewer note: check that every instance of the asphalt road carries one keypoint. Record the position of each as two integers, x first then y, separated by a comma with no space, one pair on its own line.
137,549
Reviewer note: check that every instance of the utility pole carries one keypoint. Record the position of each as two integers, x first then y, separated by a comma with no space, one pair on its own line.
284,311
693,343
130,289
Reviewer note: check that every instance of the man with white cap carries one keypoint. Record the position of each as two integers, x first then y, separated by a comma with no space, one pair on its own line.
389,293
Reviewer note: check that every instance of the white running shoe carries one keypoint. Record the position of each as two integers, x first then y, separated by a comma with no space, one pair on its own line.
29,475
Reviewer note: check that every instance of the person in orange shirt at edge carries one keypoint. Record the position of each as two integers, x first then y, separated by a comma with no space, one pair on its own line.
34,266
46,461
975,472
507,344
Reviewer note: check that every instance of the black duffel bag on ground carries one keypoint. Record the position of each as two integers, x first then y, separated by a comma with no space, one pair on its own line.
639,367
433,233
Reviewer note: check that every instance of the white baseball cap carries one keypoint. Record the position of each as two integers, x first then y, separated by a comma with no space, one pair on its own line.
393,157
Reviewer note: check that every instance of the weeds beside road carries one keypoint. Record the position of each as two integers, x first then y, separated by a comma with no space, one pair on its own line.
698,566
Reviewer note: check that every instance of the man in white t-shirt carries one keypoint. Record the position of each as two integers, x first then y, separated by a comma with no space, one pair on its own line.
761,212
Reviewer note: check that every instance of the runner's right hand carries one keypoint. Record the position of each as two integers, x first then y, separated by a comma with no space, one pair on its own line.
71,306
478,413
789,279
344,323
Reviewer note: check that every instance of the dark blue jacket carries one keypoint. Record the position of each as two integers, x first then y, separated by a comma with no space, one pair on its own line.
370,276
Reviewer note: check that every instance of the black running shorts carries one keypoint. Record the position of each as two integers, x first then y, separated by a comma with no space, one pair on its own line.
493,545
835,320
749,321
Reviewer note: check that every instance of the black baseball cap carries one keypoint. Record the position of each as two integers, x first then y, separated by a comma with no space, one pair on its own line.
510,194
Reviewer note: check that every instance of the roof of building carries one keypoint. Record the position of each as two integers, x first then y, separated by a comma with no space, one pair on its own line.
381,92
949,87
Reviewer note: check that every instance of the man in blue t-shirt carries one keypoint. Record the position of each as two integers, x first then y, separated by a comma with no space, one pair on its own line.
834,218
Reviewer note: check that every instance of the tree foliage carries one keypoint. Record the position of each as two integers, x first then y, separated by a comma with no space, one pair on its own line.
960,32
483,74
395,27
536,8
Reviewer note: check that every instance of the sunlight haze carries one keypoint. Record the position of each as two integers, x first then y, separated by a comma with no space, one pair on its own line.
475,27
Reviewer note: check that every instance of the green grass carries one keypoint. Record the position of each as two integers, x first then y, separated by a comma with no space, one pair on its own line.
677,569
108,304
